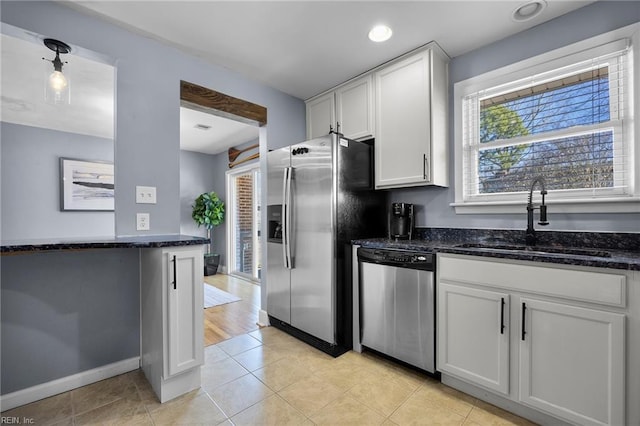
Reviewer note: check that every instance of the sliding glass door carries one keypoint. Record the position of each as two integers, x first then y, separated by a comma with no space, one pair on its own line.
243,227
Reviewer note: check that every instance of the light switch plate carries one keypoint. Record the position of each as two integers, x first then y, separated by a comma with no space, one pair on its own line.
145,195
142,222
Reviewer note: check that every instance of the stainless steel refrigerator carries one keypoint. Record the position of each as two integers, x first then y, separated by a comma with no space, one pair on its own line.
320,197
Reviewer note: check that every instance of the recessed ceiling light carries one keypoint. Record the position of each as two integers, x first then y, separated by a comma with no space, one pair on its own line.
528,10
380,33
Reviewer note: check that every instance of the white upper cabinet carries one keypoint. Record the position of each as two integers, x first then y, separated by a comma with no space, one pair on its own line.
410,111
403,105
347,109
354,108
321,115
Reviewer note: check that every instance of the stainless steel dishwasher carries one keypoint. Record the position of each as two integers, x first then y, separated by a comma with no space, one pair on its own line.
397,305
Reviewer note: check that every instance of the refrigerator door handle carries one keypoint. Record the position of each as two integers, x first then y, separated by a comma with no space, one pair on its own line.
289,216
285,174
286,218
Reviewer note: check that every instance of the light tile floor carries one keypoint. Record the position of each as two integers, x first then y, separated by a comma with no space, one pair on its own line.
267,377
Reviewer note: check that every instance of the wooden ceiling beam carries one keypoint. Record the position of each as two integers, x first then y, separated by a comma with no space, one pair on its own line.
213,102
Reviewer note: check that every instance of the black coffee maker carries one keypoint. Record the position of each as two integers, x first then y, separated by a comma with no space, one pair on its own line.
401,221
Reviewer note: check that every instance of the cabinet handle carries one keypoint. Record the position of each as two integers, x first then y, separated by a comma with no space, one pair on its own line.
524,310
425,167
175,275
502,316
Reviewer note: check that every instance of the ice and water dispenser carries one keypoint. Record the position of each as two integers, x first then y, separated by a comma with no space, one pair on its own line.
274,219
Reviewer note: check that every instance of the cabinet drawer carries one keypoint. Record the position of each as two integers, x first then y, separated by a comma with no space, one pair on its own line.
587,286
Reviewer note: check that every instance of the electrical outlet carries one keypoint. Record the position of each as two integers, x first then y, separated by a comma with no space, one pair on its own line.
145,195
142,222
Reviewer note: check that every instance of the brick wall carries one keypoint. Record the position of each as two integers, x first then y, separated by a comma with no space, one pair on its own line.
244,220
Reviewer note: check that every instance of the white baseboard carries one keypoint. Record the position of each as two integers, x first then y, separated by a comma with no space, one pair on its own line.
64,384
263,318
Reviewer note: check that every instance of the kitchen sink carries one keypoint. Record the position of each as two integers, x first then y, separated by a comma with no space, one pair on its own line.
537,250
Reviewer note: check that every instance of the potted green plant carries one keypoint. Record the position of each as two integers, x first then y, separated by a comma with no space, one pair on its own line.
208,211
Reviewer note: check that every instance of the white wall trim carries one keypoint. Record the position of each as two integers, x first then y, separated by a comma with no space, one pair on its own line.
628,205
231,204
64,384
263,318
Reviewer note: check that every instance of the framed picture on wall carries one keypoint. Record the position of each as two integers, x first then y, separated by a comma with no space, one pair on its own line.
86,185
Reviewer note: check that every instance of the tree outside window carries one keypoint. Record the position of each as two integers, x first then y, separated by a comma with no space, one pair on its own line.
526,133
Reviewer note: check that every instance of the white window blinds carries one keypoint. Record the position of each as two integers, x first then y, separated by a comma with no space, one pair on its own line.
567,124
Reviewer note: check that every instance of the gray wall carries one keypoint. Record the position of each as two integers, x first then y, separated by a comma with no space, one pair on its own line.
433,203
199,173
148,76
147,152
204,173
30,177
66,313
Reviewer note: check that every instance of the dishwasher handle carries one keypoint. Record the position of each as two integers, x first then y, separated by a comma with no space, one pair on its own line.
398,258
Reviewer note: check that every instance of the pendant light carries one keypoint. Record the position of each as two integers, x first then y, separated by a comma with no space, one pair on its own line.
57,85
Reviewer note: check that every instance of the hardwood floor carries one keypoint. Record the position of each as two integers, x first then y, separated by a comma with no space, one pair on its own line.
232,319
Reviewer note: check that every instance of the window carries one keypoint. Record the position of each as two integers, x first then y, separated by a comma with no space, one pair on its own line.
568,120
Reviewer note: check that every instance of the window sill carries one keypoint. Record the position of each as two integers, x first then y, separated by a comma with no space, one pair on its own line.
612,205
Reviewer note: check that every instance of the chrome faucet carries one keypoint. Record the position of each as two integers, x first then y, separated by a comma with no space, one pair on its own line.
530,236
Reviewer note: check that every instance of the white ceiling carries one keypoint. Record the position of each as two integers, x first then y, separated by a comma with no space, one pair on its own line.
299,47
222,133
306,47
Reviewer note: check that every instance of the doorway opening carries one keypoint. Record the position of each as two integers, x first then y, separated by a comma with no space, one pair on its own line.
243,222
205,169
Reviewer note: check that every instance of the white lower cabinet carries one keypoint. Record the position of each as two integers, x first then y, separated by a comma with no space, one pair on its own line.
535,343
472,342
572,361
172,319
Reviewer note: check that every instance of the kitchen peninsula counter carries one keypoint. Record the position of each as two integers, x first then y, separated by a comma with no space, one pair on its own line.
74,310
600,250
52,244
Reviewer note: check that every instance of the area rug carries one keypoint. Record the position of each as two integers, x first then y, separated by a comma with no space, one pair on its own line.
213,296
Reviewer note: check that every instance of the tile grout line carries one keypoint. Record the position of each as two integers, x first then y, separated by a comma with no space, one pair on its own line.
403,402
226,416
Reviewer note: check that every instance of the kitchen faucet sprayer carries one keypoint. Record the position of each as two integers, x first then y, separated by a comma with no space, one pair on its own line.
530,236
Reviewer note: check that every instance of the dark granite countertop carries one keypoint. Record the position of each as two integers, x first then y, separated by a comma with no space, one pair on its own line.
601,250
97,243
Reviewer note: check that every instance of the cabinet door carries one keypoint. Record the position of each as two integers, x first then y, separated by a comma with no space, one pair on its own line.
184,344
572,362
321,116
354,108
473,335
403,122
